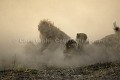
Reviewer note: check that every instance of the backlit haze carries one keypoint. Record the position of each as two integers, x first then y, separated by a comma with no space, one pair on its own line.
19,19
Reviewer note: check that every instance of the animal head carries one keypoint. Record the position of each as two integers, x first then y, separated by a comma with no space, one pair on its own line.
71,44
116,28
81,36
44,27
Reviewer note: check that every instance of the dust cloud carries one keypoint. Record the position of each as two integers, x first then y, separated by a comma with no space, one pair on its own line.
50,51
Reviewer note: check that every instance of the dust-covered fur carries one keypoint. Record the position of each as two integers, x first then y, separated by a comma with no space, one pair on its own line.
51,35
49,31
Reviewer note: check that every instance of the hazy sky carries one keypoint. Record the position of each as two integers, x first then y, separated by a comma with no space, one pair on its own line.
20,18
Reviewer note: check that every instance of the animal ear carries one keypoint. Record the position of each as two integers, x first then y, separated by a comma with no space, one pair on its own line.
114,24
116,28
77,34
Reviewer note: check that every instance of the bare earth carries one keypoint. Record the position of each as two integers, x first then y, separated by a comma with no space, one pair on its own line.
105,71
